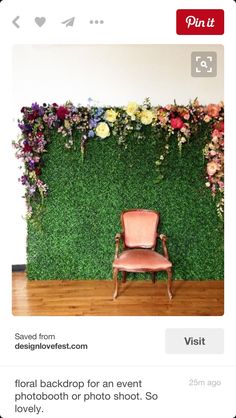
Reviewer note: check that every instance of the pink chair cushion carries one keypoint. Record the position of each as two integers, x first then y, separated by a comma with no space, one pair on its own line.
140,228
141,260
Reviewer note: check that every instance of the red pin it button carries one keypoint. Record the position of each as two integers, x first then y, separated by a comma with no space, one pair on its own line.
200,22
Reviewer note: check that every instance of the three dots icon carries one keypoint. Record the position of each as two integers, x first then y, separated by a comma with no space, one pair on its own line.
96,22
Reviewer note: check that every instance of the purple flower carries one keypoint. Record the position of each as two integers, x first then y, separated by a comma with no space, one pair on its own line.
24,180
93,123
31,190
41,111
31,164
35,106
99,111
91,134
25,127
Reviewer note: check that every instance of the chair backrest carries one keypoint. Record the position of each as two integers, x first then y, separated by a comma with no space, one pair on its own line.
140,227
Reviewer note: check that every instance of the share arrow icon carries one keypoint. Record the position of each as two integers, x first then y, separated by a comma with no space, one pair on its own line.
69,22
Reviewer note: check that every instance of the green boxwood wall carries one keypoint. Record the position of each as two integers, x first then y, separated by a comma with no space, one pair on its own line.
82,210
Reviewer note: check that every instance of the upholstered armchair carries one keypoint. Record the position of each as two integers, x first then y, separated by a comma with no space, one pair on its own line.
139,235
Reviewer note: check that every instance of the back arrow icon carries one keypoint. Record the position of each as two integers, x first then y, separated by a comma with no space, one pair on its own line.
69,22
14,22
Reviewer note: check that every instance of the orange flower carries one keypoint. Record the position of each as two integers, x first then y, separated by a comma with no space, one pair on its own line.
213,110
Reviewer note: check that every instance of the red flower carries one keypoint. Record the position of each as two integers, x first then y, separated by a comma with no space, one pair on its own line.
176,123
62,112
31,116
37,171
27,148
219,126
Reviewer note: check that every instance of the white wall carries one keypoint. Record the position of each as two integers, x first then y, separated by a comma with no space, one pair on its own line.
112,75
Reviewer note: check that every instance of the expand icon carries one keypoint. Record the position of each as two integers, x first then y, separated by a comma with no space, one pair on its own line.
204,64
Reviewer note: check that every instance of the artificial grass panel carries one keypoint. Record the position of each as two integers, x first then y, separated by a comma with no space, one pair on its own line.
82,210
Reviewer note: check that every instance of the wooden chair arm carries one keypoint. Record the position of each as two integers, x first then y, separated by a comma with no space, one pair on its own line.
163,239
118,237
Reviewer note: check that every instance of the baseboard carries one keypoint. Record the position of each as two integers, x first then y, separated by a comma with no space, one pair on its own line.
18,268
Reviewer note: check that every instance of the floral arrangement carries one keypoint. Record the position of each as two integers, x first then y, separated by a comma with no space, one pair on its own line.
214,153
93,122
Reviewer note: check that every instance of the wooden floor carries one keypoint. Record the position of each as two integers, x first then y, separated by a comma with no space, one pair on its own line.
94,297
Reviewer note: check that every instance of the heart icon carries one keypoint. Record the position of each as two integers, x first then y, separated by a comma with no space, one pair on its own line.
40,21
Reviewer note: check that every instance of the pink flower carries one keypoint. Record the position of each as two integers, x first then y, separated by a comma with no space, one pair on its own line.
176,123
212,153
184,113
216,133
186,116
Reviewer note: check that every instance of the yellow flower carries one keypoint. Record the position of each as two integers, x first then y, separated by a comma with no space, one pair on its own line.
32,175
146,117
132,109
67,124
102,130
110,115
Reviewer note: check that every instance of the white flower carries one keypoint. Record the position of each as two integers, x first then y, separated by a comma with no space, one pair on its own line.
212,167
207,118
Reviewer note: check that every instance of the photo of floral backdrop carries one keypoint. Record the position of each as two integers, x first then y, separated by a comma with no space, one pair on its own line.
84,165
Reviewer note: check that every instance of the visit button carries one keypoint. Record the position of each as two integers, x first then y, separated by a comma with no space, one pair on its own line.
194,341
200,22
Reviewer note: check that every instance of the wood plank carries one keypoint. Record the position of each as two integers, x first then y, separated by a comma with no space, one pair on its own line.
94,297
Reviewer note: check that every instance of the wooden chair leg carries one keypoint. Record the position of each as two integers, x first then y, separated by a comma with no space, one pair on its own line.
115,280
123,276
154,277
169,283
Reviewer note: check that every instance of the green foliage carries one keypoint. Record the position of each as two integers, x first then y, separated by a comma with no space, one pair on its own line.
82,211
